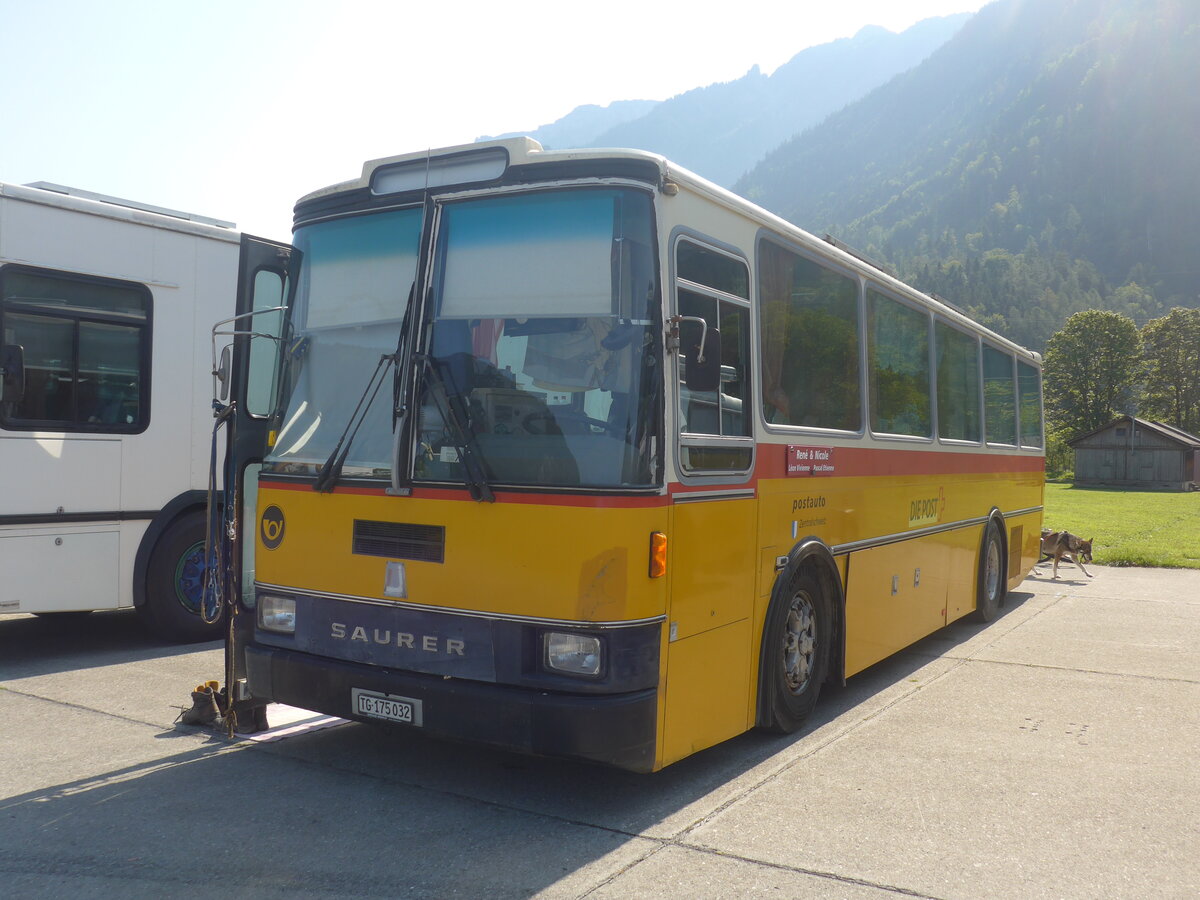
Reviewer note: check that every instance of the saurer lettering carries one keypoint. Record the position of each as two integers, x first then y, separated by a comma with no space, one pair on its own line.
428,643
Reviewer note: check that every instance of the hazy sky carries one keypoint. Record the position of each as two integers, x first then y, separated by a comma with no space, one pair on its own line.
235,108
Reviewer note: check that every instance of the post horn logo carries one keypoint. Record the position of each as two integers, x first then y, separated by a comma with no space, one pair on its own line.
271,527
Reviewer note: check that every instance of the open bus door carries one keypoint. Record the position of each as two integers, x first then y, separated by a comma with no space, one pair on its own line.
247,373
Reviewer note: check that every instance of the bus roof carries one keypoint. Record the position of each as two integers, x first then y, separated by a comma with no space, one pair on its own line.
506,152
48,194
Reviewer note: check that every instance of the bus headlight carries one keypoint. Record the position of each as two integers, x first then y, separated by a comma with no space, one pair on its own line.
277,613
574,654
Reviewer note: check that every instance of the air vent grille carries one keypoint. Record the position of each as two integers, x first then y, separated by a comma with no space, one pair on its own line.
399,540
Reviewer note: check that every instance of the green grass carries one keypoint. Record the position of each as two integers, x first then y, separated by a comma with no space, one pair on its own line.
1130,528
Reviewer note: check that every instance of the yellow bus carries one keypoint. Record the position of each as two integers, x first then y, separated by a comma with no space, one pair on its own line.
578,454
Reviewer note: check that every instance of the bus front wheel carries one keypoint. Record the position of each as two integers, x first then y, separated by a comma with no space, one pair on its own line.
989,591
175,583
796,647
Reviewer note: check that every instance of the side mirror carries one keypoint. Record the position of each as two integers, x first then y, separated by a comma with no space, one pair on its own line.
12,373
221,375
703,365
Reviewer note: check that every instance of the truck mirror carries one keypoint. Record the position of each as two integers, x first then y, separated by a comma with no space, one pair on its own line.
221,375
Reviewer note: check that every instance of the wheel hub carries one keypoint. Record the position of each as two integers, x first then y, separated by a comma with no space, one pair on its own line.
189,578
799,642
991,575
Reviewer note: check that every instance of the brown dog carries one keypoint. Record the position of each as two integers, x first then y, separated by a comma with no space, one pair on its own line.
1057,545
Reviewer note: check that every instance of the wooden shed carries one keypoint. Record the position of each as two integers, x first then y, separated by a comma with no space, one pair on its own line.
1137,453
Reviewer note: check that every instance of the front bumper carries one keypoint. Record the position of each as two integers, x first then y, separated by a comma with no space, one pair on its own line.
614,729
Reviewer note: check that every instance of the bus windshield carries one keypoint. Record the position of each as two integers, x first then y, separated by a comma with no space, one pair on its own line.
543,341
352,292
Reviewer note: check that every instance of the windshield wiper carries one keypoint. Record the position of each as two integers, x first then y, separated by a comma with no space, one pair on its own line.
464,439
331,469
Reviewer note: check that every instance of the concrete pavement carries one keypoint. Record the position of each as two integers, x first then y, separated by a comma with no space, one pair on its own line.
1049,754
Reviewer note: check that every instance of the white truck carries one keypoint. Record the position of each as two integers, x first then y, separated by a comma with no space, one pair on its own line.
106,312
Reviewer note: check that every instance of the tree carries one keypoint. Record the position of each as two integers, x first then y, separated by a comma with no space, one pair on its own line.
1135,301
1090,369
1171,369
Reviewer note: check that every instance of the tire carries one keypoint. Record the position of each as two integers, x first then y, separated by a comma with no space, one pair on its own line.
990,584
796,645
174,583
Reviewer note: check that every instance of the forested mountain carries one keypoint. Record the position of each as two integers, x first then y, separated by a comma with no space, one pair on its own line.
1042,161
721,130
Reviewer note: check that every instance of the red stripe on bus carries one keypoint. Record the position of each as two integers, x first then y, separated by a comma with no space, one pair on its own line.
892,461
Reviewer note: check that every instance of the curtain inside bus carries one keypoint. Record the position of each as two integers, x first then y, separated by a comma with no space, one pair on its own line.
544,339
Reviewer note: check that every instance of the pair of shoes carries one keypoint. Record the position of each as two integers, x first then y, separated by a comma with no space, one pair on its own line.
206,706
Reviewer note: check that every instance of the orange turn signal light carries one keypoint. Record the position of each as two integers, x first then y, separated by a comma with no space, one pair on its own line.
658,554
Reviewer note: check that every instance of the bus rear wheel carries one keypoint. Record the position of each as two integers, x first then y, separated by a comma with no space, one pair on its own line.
795,653
175,583
990,587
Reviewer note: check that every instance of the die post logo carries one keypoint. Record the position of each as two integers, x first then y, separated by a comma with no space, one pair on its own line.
927,510
270,527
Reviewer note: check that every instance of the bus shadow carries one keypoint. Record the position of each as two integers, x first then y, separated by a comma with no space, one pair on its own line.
662,803
349,811
47,645
255,824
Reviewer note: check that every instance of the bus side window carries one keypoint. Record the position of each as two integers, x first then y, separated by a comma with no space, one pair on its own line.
999,397
1029,403
898,367
958,409
86,347
809,338
715,288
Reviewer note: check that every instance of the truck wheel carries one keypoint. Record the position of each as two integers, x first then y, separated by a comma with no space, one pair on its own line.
175,583
990,587
796,646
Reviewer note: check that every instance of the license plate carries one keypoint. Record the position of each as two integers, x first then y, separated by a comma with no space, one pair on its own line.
387,707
